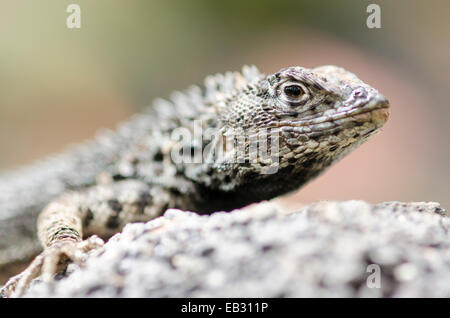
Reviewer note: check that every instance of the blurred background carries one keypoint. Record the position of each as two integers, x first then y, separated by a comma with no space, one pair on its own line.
59,86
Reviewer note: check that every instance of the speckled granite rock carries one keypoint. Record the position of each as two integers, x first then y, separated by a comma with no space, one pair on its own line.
322,250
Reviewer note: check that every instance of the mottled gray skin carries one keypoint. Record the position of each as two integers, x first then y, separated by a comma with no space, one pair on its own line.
129,175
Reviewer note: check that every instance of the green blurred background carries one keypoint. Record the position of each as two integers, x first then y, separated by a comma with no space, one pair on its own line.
59,86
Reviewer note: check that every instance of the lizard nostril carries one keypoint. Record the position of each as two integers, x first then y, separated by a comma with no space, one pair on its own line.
358,93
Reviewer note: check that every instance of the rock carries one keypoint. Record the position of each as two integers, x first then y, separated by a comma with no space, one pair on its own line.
328,249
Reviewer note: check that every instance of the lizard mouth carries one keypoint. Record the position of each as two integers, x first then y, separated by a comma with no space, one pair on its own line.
377,113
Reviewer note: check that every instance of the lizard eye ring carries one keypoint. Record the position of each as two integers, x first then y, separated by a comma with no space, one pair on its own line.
293,93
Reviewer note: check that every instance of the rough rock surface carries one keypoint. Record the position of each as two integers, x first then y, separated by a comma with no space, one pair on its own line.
322,250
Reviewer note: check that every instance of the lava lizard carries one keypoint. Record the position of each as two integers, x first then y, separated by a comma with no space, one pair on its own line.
177,154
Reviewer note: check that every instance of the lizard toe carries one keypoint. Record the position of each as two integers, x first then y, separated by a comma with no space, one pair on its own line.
50,262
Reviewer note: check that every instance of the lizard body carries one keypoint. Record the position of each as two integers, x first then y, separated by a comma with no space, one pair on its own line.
177,154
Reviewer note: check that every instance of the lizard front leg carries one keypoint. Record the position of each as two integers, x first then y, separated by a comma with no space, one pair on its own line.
101,210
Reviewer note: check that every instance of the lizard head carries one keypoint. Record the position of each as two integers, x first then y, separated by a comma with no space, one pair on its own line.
312,116
273,133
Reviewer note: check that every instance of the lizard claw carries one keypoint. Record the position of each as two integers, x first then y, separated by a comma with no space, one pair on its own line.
51,261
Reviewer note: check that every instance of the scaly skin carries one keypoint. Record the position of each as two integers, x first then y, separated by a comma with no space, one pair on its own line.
312,117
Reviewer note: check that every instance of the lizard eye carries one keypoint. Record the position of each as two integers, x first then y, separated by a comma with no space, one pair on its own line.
293,93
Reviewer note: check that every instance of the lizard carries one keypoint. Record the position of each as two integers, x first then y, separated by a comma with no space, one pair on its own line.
197,151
